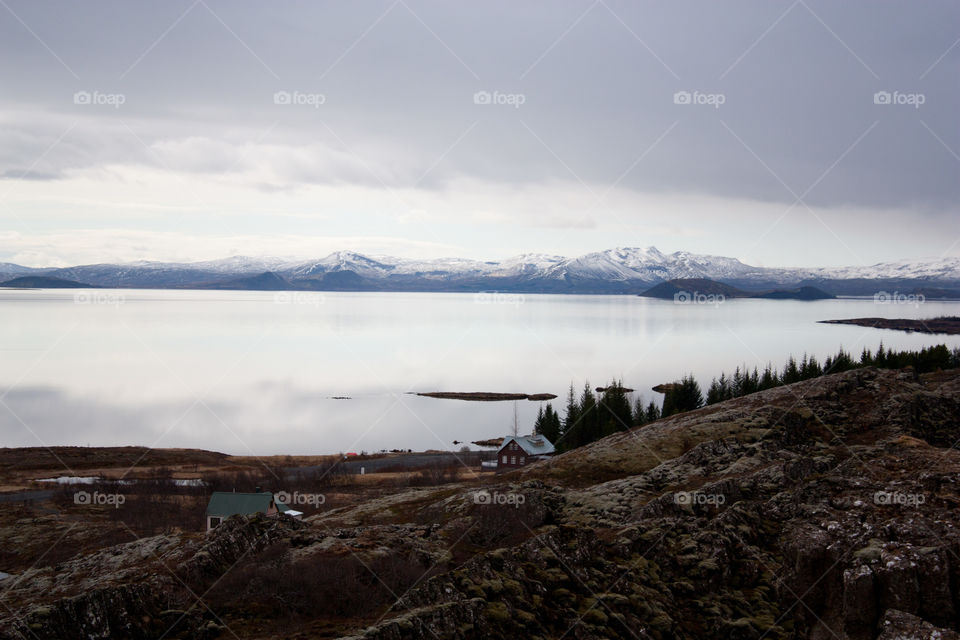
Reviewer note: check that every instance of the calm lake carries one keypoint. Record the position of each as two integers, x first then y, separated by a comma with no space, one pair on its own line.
258,372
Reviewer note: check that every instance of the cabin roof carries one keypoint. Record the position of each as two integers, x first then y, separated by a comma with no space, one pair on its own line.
228,503
534,445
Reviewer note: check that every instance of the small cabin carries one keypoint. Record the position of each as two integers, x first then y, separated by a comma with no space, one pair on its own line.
519,451
224,504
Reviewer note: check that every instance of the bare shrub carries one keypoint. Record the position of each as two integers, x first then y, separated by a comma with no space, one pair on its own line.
435,474
272,585
500,525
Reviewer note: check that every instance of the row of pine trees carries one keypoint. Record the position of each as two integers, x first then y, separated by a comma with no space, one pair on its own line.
743,382
596,414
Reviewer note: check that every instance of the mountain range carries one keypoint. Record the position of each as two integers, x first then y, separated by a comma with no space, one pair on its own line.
621,270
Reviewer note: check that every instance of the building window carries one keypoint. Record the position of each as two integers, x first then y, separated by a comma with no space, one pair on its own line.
521,459
214,522
513,459
504,459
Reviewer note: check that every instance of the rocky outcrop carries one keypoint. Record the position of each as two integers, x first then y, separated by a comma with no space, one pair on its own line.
128,611
825,509
898,625
820,514
142,589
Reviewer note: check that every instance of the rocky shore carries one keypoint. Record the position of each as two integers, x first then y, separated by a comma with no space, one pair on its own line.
949,326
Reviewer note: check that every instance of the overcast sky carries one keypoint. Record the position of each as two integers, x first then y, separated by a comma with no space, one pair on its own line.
188,130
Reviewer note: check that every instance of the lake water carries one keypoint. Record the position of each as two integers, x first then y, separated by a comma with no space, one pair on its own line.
257,372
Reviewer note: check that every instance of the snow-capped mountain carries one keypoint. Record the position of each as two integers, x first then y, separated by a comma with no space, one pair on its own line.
650,265
16,269
621,270
934,269
342,261
236,264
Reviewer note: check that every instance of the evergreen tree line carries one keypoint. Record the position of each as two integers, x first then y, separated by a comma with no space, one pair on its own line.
591,416
594,415
744,382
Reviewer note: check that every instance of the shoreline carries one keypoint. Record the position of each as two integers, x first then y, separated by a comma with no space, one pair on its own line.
932,326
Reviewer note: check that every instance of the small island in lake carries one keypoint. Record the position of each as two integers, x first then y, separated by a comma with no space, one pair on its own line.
485,396
691,290
945,324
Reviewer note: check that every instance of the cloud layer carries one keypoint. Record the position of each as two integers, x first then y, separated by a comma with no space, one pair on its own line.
770,131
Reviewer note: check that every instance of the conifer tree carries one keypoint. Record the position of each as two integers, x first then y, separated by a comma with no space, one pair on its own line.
549,424
615,413
653,412
791,373
714,393
770,379
589,417
639,415
571,423
684,395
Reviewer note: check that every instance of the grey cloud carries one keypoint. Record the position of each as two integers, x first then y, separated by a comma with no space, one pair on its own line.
595,100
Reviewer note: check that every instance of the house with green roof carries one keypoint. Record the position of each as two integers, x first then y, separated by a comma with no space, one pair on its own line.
224,504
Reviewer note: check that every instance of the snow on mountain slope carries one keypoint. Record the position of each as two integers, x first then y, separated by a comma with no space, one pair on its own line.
933,268
528,265
616,264
621,265
16,269
342,261
650,265
381,266
439,268
241,264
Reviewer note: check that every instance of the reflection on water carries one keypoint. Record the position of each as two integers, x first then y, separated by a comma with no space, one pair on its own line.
258,372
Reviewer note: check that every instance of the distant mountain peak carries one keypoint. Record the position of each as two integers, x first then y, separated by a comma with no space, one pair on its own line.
620,269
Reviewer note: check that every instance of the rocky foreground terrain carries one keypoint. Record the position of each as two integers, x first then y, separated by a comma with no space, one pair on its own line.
824,509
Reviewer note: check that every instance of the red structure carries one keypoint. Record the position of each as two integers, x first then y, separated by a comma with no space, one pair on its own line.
519,451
